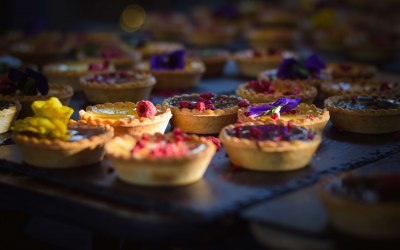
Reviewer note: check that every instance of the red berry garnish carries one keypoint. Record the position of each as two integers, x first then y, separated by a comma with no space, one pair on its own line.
255,132
177,131
215,140
185,104
243,103
210,106
200,106
207,96
146,109
275,116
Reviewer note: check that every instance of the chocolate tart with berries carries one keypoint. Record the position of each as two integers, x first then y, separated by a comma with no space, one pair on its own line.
127,117
349,70
121,86
264,91
288,112
359,87
365,114
70,72
203,113
8,113
160,160
251,62
46,141
309,72
29,86
173,72
213,59
364,205
269,147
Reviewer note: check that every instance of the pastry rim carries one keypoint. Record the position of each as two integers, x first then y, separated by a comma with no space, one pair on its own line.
64,91
14,108
210,146
326,87
196,112
313,82
58,144
85,116
133,83
200,69
330,105
307,91
324,116
267,145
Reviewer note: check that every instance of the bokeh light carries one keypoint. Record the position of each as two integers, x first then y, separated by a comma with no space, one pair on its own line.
132,18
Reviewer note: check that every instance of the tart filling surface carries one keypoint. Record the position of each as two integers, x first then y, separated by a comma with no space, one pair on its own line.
350,70
360,87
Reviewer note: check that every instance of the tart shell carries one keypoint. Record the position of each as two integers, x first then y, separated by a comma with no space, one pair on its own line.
268,155
55,154
8,116
132,126
152,171
361,120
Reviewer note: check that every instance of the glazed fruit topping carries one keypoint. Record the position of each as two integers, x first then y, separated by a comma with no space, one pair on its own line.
28,82
146,109
206,101
369,102
169,145
99,66
111,78
272,133
382,187
262,86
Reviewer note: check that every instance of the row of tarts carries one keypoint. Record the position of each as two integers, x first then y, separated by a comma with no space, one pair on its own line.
281,133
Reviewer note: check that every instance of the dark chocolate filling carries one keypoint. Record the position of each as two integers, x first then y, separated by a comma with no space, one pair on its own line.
369,102
84,132
271,133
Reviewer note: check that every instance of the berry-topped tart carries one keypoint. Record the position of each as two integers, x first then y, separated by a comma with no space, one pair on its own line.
160,160
264,91
120,86
28,86
45,140
8,113
172,71
213,59
251,62
350,70
204,113
288,112
269,147
364,205
128,117
308,72
71,71
359,87
365,114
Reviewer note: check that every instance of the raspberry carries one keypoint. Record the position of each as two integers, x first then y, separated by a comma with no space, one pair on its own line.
215,140
145,137
146,109
275,116
185,104
207,96
243,103
201,99
94,67
177,131
210,106
289,125
238,131
200,106
255,132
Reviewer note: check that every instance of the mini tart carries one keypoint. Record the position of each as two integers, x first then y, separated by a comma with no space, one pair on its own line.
304,115
363,205
278,88
263,147
207,121
158,48
213,59
350,70
61,91
359,87
8,113
85,147
365,114
124,118
120,86
272,37
213,36
272,74
186,78
70,72
135,162
251,62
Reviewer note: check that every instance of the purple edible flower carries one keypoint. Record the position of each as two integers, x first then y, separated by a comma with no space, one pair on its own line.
169,61
226,11
281,105
314,64
29,82
291,68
